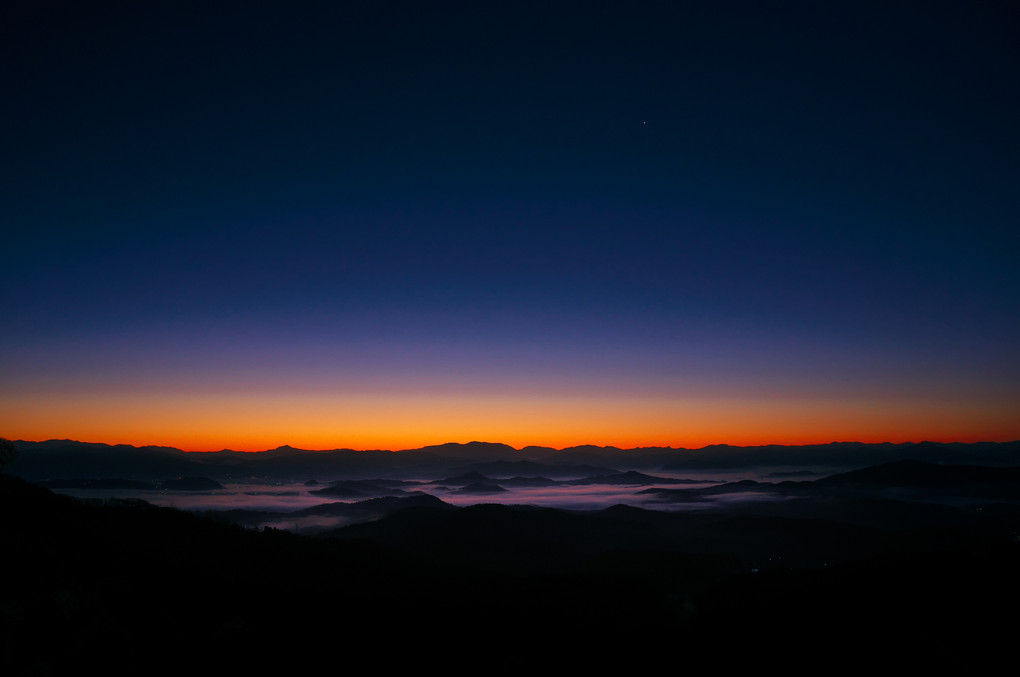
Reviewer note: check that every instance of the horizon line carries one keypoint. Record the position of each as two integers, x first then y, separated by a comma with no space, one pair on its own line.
522,448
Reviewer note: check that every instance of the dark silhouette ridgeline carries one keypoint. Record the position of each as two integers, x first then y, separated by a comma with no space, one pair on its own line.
903,564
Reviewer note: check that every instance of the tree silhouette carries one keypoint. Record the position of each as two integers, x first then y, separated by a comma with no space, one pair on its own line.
8,453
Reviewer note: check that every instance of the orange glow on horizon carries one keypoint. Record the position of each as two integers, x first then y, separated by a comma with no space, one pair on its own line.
256,423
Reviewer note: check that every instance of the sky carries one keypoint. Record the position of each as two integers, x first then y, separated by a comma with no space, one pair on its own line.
390,224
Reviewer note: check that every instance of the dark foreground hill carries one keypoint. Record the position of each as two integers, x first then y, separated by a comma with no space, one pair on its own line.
129,588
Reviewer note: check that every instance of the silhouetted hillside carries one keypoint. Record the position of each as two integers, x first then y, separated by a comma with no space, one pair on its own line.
113,586
503,469
70,460
354,489
474,451
842,455
933,480
123,587
522,538
101,484
465,479
326,515
629,478
905,479
175,484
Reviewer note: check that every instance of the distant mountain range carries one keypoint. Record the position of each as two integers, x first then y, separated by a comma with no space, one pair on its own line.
69,459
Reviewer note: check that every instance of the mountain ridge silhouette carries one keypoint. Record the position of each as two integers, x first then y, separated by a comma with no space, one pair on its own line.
68,459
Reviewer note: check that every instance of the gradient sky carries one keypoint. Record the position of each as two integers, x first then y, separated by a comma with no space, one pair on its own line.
391,224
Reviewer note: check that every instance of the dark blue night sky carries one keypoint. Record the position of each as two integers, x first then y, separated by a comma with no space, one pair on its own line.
385,224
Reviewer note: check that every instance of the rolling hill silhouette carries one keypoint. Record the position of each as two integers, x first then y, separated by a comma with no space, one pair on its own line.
906,479
836,569
71,460
366,488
